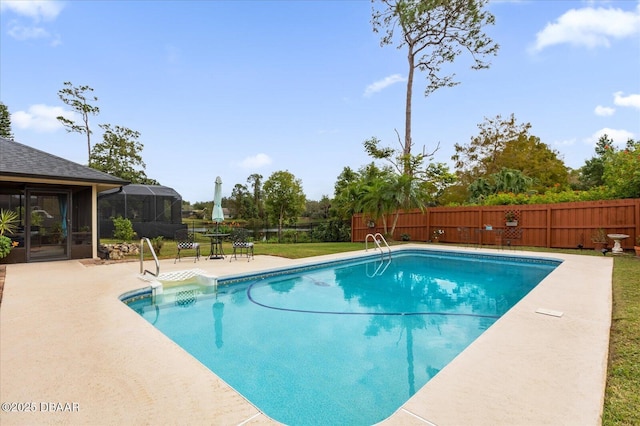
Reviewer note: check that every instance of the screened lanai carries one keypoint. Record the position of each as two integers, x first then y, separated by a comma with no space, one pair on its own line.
154,210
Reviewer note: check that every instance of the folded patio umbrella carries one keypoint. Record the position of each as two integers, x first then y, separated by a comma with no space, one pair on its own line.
217,215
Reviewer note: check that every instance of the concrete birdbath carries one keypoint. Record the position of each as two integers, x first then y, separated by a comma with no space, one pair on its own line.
617,248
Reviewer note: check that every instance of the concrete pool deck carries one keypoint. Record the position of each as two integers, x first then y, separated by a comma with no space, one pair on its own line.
72,353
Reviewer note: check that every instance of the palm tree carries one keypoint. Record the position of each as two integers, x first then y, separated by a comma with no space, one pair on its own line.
407,194
511,180
480,188
376,201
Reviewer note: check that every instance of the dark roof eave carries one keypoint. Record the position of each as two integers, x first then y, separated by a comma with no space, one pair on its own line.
114,181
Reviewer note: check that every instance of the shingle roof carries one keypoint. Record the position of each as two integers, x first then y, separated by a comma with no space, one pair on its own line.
23,161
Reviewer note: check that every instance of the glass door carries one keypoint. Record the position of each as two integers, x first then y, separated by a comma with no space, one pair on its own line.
48,222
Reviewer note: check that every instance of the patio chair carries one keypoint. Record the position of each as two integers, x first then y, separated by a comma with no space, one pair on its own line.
464,235
186,241
240,244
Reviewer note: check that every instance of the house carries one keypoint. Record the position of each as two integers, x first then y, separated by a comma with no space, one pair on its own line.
56,201
204,214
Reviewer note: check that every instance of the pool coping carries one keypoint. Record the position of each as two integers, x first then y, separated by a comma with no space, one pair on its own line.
66,341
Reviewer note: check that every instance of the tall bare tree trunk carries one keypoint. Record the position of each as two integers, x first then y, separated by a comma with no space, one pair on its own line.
407,118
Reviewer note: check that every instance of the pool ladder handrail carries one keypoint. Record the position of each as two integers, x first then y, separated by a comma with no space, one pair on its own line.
383,265
153,253
377,238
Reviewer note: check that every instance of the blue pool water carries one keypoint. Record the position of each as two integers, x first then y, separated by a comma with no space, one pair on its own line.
345,343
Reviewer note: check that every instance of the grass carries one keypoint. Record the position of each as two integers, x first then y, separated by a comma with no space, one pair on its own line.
298,251
622,394
290,251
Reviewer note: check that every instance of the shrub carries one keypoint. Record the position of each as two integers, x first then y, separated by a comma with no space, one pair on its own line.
303,237
8,221
123,230
289,236
5,246
550,197
333,230
157,244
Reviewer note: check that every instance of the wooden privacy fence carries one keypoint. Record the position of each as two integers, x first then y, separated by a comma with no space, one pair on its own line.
562,225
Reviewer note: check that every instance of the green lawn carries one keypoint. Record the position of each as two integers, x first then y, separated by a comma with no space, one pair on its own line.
622,396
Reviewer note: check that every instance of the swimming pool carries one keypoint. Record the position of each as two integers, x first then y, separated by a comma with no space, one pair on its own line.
345,342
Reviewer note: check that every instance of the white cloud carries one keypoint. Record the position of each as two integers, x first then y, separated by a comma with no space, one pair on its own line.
255,161
383,84
619,137
632,100
604,111
589,27
22,33
40,118
37,10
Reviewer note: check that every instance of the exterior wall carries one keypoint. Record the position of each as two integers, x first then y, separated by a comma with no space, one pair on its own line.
79,242
562,225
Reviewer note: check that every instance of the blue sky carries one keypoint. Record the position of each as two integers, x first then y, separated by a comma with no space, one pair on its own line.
231,88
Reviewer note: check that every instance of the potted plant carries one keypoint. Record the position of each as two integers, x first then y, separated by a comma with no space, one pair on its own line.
599,239
510,218
57,236
436,235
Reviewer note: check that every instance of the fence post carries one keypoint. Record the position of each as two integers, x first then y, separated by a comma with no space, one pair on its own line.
428,236
637,214
548,237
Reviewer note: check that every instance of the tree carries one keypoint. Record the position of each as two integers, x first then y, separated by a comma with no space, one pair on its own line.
376,201
407,194
119,155
403,163
478,158
379,192
439,179
591,174
622,170
411,183
480,188
511,180
434,32
255,180
506,180
505,144
242,202
347,191
284,199
5,122
345,178
318,209
535,159
324,206
77,99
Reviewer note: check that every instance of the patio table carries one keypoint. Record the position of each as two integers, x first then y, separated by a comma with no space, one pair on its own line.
489,233
216,251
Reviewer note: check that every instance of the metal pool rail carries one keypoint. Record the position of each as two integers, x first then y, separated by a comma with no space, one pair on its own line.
153,253
377,239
